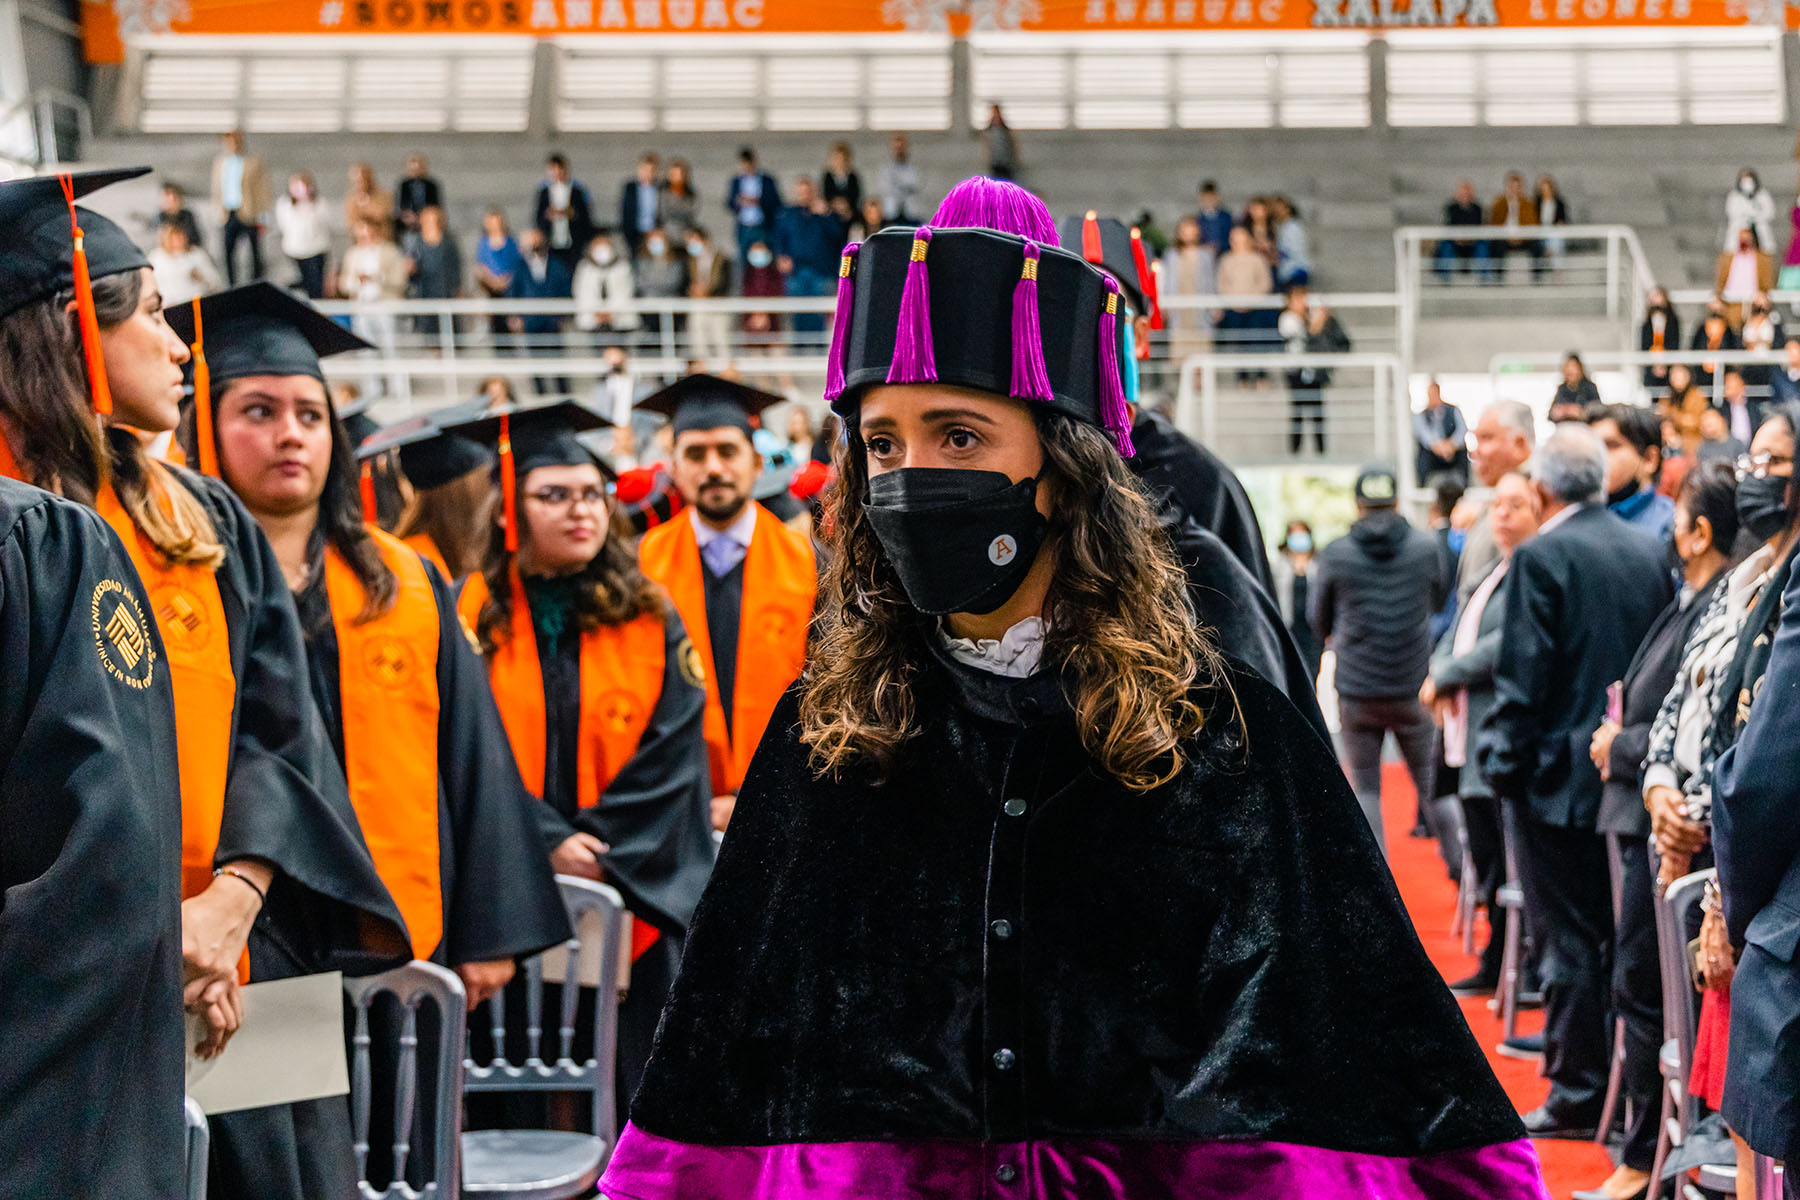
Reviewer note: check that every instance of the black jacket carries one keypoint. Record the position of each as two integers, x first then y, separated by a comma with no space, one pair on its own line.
1182,474
1372,596
1579,600
1648,679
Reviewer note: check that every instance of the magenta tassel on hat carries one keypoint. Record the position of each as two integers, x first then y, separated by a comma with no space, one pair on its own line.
1030,381
840,323
913,358
1113,412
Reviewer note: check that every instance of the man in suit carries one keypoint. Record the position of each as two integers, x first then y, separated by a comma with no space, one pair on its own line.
563,213
240,192
1579,599
1504,437
640,203
754,202
541,277
1743,416
1784,381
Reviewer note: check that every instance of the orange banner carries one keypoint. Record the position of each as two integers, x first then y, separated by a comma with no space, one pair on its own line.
1074,16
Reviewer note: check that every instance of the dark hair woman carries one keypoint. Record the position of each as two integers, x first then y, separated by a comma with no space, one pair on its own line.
93,1071
449,500
402,695
602,695
270,857
1029,886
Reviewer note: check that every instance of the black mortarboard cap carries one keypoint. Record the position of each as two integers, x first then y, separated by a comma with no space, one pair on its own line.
704,401
429,457
1114,254
529,436
37,245
261,329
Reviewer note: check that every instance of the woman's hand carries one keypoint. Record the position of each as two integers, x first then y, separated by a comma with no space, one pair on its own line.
722,808
483,979
580,855
1675,834
1717,963
1428,692
215,925
220,1007
1600,749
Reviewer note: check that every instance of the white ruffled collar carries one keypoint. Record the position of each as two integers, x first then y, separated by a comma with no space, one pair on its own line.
1014,655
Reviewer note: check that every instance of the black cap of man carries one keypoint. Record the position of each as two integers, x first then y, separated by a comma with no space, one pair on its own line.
715,462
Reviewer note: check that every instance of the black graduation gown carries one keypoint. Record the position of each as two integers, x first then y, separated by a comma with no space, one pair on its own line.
1000,974
656,815
90,867
1181,472
286,803
499,892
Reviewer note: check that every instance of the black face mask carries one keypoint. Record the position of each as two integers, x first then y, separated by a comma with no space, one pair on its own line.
1762,506
961,541
1623,494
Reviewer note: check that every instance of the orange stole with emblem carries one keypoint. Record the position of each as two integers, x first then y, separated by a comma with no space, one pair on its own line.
424,545
780,585
187,609
388,699
621,679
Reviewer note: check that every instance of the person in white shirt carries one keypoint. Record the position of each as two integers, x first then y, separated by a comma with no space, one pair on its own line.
305,236
373,271
602,283
899,183
183,270
1749,206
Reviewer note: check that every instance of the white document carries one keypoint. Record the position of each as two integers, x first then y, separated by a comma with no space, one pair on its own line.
291,1047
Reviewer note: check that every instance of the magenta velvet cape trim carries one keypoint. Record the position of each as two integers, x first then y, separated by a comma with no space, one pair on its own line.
647,1167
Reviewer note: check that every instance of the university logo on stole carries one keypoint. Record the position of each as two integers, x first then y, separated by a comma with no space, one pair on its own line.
122,635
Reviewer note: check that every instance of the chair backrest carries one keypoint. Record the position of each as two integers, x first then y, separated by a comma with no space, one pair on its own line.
1674,908
411,985
597,913
199,1144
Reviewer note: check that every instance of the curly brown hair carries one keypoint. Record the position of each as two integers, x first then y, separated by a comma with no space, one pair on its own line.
615,589
1121,630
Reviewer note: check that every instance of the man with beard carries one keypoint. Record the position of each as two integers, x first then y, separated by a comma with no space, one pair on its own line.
743,582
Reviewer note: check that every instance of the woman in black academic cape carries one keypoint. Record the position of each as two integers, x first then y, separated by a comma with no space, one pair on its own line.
1031,892
272,861
403,696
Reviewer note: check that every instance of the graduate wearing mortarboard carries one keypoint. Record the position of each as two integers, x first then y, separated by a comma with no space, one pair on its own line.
602,693
271,856
1203,505
402,695
743,581
90,877
448,511
1032,892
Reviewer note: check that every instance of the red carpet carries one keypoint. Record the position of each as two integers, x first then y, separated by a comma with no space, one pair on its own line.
1431,899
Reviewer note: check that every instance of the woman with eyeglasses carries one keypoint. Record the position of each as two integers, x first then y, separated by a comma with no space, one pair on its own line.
1721,671
603,697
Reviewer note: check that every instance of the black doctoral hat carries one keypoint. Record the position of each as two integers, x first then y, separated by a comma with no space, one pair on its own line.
982,308
1117,249
703,401
429,457
256,329
529,436
48,245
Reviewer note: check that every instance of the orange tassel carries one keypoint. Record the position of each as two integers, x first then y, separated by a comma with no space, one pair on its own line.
370,510
1090,238
84,309
203,413
508,485
9,466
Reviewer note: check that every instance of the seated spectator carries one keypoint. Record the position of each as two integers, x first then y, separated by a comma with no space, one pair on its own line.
1551,210
1676,463
1741,274
761,278
305,236
1632,436
868,222
1188,270
417,192
1574,394
1749,206
1683,406
1214,220
1743,416
496,392
1515,209
1716,442
603,289
541,276
497,260
1293,263
1440,438
372,270
808,239
183,270
434,264
1260,221
368,201
1462,254
840,184
1241,272
709,278
1661,331
172,205
1784,381
680,203
1716,332
640,204
662,274
1762,331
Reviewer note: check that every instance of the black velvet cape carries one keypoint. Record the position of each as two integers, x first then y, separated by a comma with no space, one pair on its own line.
1224,957
90,869
1186,476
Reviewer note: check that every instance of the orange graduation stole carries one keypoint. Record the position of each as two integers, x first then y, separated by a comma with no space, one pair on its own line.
621,680
388,697
780,583
424,545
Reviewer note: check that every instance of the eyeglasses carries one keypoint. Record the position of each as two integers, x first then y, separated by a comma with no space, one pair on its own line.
557,496
1760,465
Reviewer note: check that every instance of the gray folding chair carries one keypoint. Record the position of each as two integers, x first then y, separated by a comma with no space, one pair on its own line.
548,1164
1511,897
1674,908
1468,895
411,985
199,1144
1615,1075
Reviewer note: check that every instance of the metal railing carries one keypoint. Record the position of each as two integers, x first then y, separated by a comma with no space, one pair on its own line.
1575,262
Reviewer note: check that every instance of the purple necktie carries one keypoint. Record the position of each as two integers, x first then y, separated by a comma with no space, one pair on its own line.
721,555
